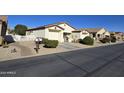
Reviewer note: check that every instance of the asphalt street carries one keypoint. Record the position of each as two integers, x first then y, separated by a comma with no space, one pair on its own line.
104,61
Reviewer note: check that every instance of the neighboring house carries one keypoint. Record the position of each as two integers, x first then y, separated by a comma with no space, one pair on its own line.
79,34
97,33
59,31
119,35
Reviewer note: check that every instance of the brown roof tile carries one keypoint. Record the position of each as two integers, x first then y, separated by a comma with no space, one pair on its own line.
50,25
45,26
65,23
76,31
91,30
79,31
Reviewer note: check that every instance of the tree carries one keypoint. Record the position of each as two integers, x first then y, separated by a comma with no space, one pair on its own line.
20,29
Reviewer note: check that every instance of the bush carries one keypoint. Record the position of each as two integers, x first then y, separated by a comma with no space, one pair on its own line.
44,40
51,43
113,39
80,41
105,40
87,40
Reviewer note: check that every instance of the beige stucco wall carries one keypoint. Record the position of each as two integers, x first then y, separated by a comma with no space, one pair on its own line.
107,33
102,33
46,33
36,33
76,35
80,35
67,28
54,35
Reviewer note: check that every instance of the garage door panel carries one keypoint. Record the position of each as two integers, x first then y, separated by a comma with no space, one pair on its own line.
54,35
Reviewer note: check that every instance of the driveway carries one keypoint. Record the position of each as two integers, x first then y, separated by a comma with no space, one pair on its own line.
102,61
67,45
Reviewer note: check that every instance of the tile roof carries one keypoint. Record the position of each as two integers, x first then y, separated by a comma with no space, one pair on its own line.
76,31
45,26
51,25
118,32
91,30
65,23
80,31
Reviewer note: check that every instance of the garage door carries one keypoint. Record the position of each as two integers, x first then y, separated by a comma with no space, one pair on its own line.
54,35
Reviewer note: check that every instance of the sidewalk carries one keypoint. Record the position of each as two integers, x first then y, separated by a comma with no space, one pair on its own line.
26,49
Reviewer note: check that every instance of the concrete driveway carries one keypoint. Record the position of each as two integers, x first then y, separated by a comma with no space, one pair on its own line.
67,45
102,61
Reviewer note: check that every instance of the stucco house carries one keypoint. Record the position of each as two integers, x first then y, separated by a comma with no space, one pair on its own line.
97,33
119,35
59,31
79,34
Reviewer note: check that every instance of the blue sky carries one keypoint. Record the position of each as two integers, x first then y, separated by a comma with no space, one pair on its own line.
110,22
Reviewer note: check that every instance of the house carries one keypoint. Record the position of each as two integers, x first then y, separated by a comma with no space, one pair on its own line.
59,31
97,33
119,35
79,34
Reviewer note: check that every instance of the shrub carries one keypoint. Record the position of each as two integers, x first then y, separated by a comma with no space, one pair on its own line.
51,43
44,40
105,40
113,39
80,41
87,40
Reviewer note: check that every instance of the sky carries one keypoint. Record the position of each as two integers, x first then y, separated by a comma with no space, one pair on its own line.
110,22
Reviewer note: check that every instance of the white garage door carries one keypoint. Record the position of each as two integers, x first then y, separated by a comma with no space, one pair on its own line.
54,35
